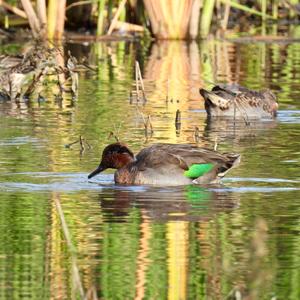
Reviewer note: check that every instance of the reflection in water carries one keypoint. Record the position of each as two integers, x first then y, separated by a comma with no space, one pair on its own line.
223,129
153,243
164,218
190,203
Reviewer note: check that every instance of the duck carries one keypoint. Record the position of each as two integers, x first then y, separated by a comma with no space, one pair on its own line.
166,164
233,100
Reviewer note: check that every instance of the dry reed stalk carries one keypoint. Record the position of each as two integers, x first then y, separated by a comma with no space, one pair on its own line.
13,9
42,13
137,83
116,17
140,79
128,26
226,15
195,15
60,21
169,19
32,17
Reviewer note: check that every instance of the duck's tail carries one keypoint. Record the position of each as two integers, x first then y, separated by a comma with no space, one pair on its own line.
212,99
233,160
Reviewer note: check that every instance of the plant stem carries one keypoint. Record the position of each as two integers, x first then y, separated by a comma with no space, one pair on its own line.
206,17
100,22
52,15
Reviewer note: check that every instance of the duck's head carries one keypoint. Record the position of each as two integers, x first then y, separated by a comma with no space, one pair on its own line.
114,156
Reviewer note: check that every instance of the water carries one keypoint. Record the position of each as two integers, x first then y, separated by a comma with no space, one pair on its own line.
142,242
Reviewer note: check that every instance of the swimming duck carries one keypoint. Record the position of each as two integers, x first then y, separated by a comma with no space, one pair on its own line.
235,100
166,164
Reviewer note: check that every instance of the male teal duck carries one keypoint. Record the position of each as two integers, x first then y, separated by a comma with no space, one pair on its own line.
166,164
240,102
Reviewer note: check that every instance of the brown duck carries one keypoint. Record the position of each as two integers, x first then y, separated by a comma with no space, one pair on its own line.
235,100
166,164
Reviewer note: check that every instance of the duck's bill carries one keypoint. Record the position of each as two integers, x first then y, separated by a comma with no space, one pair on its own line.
97,171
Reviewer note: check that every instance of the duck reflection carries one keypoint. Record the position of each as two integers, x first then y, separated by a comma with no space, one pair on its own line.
157,231
225,129
187,203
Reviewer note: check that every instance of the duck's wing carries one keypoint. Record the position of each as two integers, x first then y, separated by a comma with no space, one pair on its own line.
218,97
193,162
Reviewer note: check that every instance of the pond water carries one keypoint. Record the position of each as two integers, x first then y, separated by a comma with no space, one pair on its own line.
141,242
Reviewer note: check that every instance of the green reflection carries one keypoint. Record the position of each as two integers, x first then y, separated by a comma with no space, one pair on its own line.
187,242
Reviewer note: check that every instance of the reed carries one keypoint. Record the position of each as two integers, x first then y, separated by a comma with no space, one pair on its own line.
32,17
206,17
169,19
247,9
116,17
51,18
264,9
275,9
194,22
13,9
226,15
100,21
42,14
176,19
60,21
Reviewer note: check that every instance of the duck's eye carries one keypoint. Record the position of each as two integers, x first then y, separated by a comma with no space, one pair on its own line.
122,150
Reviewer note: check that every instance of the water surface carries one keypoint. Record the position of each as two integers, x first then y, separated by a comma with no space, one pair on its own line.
153,242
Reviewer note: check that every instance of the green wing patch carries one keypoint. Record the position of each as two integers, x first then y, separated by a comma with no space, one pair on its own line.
198,170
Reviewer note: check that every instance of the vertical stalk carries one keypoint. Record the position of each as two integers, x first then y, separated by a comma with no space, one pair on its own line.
226,15
123,15
60,21
275,9
52,16
100,21
32,18
264,10
41,13
194,22
206,17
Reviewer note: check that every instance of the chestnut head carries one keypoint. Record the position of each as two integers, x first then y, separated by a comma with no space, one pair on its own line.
114,156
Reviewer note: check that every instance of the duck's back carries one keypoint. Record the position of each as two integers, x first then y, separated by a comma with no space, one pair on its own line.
169,164
238,101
